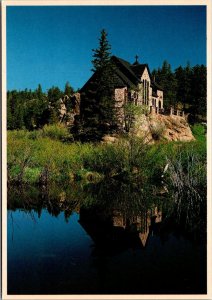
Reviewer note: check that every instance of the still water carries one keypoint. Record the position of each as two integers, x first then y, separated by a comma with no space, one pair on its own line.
87,249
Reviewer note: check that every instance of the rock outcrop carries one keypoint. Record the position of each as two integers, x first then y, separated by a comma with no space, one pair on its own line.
157,127
151,128
69,108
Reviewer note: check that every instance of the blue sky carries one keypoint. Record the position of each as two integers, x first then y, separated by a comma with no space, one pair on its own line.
53,45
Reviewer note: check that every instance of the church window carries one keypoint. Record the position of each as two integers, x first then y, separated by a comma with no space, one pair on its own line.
145,91
148,90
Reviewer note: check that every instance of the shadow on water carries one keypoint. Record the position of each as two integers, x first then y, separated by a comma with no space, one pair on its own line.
105,238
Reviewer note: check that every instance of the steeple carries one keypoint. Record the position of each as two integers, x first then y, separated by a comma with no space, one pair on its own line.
136,60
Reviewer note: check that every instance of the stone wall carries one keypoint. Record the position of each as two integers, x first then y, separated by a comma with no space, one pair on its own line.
120,97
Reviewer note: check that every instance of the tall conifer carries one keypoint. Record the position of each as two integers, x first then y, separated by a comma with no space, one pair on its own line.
98,103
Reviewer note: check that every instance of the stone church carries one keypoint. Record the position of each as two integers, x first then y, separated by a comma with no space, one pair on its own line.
133,83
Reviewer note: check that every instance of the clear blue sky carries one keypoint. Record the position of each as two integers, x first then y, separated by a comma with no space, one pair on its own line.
53,45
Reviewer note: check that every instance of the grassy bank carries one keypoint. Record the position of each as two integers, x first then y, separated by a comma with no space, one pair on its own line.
48,155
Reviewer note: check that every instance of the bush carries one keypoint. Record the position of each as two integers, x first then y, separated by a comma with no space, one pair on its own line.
34,135
106,158
31,175
56,132
157,131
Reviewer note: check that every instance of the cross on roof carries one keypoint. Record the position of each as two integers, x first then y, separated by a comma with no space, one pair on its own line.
136,58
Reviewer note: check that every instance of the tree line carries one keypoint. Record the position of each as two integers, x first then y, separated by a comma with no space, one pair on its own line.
33,109
184,88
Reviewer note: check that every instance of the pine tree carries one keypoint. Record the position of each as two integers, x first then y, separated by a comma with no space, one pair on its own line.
199,91
101,55
166,78
54,95
183,77
98,103
39,92
68,89
9,111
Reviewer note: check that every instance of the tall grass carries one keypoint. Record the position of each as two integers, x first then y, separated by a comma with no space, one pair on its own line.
43,157
188,187
199,132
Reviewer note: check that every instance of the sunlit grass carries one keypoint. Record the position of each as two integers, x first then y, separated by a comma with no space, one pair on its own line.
42,157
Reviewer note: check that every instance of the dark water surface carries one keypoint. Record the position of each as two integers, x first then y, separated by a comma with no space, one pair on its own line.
93,250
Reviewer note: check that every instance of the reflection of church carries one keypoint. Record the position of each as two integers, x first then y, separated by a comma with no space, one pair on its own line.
138,223
119,227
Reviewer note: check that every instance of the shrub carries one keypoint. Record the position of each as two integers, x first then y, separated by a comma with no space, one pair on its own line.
34,135
57,132
157,131
31,175
104,158
19,156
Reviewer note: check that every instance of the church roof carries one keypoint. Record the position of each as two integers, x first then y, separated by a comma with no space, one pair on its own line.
139,69
126,74
132,72
123,69
156,86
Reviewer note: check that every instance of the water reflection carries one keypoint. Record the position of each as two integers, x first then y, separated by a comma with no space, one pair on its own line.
119,228
103,215
99,239
130,207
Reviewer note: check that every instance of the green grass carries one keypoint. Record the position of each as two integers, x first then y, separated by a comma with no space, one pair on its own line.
43,156
199,132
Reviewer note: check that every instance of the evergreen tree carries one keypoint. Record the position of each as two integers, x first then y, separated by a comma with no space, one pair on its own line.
68,89
39,92
166,78
199,91
102,54
9,111
18,119
183,77
98,103
180,77
54,95
36,108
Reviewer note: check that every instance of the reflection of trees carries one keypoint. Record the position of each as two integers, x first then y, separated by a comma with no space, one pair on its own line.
54,199
129,198
128,205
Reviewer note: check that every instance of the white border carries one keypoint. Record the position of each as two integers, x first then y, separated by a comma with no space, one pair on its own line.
4,4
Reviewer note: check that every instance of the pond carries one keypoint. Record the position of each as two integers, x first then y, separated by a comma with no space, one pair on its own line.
59,244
